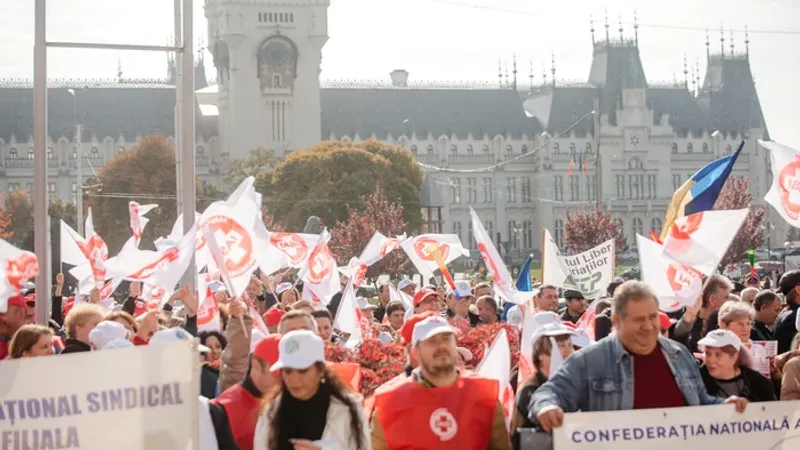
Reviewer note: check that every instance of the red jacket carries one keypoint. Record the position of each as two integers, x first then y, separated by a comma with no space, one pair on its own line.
242,408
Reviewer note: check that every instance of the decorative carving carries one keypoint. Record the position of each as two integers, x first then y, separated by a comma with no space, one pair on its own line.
277,63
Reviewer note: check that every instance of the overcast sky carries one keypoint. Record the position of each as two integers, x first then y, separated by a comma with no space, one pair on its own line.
446,40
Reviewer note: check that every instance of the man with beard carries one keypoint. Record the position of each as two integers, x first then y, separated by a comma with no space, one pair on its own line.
437,403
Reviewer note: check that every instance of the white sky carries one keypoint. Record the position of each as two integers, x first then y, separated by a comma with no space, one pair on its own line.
439,41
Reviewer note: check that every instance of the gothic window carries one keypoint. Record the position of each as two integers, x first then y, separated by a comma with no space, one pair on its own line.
556,148
457,229
674,148
512,190
635,164
454,150
489,228
728,149
509,150
31,154
558,233
513,234
74,153
574,193
485,149
413,149
13,153
635,186
527,235
588,148
637,226
572,149
689,148
95,152
429,149
651,185
524,149
620,179
471,244
49,152
277,56
590,187
676,181
487,190
201,152
455,184
470,150
705,147
558,188
276,81
472,190
526,190
655,225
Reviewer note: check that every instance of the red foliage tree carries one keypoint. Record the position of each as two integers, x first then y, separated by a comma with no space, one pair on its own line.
586,229
375,213
734,195
269,221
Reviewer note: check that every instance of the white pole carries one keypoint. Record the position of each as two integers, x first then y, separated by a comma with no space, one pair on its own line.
187,125
41,221
79,184
178,104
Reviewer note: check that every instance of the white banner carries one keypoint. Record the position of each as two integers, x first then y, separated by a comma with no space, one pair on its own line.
137,398
589,272
767,426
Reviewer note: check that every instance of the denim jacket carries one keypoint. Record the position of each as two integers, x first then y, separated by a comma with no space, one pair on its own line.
600,378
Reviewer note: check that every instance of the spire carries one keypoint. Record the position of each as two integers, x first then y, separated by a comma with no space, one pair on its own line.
119,70
685,73
514,72
544,75
507,74
708,47
732,43
697,73
635,28
608,38
499,72
694,81
531,75
200,51
721,41
591,29
619,19
746,43
553,67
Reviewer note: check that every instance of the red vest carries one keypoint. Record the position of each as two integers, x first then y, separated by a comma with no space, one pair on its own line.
242,409
457,417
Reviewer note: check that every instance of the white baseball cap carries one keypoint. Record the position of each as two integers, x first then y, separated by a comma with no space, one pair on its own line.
463,289
363,303
105,332
283,287
404,284
430,327
117,343
551,330
541,319
174,335
299,349
721,338
581,338
514,316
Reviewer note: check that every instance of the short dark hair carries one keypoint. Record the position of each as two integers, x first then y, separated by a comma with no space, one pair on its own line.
322,313
764,299
546,286
490,300
394,307
204,335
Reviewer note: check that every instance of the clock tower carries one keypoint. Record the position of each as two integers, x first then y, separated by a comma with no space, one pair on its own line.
267,54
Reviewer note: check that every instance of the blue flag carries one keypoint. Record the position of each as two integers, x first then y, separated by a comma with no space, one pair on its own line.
524,284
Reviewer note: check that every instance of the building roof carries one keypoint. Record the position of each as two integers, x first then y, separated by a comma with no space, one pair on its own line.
350,111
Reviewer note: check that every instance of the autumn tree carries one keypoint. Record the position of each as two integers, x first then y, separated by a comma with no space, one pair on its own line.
146,174
734,195
258,163
5,225
374,212
586,229
269,220
323,180
19,208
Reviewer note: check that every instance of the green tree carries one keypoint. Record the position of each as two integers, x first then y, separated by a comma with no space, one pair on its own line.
19,207
258,163
323,180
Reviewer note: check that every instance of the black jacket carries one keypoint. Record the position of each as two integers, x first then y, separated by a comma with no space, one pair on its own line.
785,329
757,388
75,346
222,428
761,332
209,377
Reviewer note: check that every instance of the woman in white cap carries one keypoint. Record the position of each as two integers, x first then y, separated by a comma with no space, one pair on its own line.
312,409
550,334
727,369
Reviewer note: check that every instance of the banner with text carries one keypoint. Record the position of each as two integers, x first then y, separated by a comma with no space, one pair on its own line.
589,272
127,399
767,426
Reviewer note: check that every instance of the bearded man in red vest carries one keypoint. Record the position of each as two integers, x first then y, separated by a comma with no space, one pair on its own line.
234,413
437,406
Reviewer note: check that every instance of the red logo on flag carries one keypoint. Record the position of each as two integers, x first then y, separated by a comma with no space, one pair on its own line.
320,264
488,259
424,248
682,277
389,246
789,186
21,269
291,244
234,243
170,255
359,274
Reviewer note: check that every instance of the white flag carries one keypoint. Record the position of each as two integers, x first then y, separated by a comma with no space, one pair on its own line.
320,274
379,246
589,272
496,365
784,195
70,245
675,284
16,268
420,251
501,278
701,239
138,220
347,317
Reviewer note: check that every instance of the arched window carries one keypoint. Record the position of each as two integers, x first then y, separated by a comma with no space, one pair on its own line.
556,148
689,148
74,153
728,149
674,148
470,150
454,150
705,147
513,234
635,164
31,154
485,149
588,148
276,81
527,235
413,149
524,149
558,233
457,229
49,152
509,150
637,226
13,153
430,149
201,152
572,149
95,152
656,225
489,228
471,244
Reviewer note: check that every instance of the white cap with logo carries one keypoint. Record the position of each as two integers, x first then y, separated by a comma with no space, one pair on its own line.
430,327
105,332
404,284
721,338
463,289
174,335
363,303
551,330
299,349
117,344
545,318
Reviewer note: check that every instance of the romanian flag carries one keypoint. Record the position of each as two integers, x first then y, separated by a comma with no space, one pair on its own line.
700,192
570,166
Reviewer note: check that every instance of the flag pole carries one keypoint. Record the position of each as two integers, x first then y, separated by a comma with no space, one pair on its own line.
598,175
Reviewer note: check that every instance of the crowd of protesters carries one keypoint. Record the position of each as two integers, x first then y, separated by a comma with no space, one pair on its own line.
277,391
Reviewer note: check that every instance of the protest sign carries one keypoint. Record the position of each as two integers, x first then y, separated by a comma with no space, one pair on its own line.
767,426
589,272
127,399
763,352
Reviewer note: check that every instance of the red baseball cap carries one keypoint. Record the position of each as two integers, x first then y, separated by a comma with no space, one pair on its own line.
422,294
663,321
273,317
407,330
267,349
18,300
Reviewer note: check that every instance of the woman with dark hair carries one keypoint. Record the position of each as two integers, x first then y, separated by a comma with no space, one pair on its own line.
209,379
312,409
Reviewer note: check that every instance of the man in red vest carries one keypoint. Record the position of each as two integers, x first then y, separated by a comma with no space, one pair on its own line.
235,411
437,406
11,321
